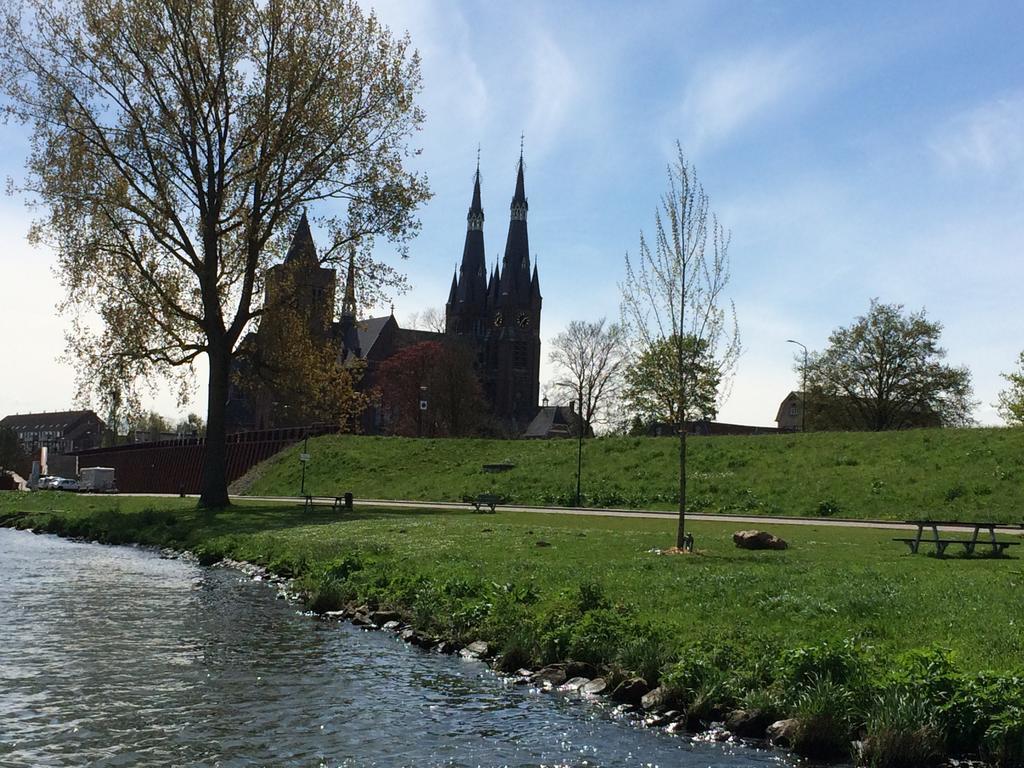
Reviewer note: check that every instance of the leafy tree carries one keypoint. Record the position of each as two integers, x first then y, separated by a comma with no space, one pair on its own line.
10,448
293,375
151,424
192,424
176,143
455,401
886,371
590,358
1011,399
652,383
673,293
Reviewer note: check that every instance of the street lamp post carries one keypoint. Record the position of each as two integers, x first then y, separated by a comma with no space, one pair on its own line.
803,386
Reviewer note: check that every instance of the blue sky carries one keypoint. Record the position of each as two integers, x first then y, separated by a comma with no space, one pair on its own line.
854,150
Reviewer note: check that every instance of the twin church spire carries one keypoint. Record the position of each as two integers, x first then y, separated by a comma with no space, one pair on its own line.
473,290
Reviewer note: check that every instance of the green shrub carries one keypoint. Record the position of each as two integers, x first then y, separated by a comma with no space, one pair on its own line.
844,663
645,652
824,710
1003,744
828,507
901,731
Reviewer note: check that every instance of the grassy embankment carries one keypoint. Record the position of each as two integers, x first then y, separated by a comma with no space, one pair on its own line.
945,474
845,630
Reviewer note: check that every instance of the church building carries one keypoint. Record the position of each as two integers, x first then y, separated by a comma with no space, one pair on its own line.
495,312
499,313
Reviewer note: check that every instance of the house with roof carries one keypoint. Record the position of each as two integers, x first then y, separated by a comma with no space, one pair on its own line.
60,432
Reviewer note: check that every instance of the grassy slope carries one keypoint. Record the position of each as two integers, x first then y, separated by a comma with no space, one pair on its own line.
831,585
962,474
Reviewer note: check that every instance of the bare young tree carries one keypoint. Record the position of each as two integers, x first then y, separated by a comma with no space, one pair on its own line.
674,291
430,319
175,145
590,358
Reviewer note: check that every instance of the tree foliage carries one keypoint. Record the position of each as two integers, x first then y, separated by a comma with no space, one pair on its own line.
455,404
590,359
886,371
652,384
175,144
674,291
1011,399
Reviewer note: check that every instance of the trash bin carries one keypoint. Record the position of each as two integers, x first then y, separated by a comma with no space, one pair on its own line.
348,501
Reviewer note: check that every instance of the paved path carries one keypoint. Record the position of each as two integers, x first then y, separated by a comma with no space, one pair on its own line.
641,513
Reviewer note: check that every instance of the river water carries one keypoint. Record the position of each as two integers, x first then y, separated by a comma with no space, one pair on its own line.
112,656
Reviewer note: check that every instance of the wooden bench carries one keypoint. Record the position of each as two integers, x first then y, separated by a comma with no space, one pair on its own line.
488,500
996,548
341,503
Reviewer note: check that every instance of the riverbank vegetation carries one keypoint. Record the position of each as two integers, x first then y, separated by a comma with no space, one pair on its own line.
844,631
935,473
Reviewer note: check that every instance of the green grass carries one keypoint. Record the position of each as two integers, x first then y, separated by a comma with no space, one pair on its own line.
825,626
833,583
948,474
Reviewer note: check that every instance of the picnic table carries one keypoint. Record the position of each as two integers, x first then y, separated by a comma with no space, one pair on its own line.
995,546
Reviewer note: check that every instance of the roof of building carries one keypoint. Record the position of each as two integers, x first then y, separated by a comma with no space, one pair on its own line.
552,421
791,397
369,331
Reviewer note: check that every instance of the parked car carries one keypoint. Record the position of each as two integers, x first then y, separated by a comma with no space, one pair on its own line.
65,484
44,482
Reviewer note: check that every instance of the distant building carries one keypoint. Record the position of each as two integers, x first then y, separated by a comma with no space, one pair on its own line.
555,421
791,413
59,432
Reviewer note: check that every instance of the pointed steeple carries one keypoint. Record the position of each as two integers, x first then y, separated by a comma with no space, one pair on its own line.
475,217
471,286
350,347
519,204
454,290
348,304
302,248
515,267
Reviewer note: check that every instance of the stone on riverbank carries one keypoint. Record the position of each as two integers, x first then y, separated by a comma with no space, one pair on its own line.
478,649
631,691
573,684
380,618
595,687
782,732
758,540
553,674
748,723
653,699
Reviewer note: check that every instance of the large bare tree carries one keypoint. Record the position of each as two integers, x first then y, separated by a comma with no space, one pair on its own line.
175,143
590,358
673,294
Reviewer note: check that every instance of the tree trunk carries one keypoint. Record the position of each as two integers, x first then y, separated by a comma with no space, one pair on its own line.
214,485
681,530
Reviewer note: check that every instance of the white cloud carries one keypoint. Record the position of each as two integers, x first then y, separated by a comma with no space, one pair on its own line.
554,87
730,92
986,138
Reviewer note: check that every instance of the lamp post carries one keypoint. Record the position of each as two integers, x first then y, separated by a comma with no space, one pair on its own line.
803,386
579,449
304,458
